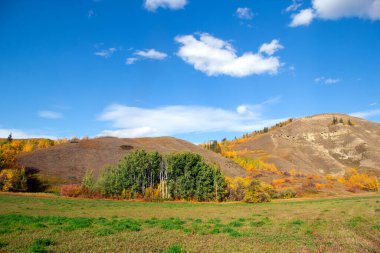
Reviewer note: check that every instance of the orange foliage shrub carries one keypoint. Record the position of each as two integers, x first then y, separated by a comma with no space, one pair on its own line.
277,183
320,185
71,190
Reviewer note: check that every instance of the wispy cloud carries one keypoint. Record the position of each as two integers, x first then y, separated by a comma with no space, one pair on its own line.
366,114
153,5
19,134
90,13
296,4
106,53
50,115
127,121
152,54
244,13
130,60
373,104
325,80
337,9
214,56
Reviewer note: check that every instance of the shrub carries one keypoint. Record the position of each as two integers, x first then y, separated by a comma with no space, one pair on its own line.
257,192
360,181
285,194
39,245
152,194
71,190
174,249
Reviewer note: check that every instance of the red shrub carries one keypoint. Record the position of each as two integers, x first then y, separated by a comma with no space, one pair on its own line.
71,190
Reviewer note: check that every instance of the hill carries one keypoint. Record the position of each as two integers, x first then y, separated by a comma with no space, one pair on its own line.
69,161
320,145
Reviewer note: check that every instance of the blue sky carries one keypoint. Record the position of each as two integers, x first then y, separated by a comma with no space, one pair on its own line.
192,69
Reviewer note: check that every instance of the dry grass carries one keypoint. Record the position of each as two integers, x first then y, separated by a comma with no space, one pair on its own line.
69,161
77,225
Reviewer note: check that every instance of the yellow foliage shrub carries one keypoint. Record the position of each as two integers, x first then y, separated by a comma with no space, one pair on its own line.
355,181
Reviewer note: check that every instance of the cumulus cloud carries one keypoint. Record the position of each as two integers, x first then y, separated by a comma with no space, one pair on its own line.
152,54
244,13
127,121
49,114
153,5
271,48
215,57
366,114
326,80
304,17
336,9
106,53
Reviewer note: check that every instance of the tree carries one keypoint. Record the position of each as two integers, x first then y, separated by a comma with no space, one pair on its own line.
9,139
88,181
183,175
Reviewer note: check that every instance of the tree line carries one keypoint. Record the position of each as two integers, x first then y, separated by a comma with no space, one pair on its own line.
150,175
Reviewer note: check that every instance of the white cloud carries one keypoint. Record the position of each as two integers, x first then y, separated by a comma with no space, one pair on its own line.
326,80
49,114
19,134
373,104
106,53
147,54
130,60
215,57
294,6
271,48
244,13
304,17
153,5
366,114
336,9
152,54
129,121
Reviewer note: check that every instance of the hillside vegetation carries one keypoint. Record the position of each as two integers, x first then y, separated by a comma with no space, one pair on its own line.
299,156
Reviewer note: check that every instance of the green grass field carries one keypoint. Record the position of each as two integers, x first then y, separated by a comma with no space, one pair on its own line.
38,224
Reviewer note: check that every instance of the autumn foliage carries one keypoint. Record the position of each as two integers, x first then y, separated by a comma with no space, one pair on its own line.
355,181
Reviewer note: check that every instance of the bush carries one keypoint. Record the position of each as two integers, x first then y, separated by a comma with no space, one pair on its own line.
285,194
71,190
257,192
152,194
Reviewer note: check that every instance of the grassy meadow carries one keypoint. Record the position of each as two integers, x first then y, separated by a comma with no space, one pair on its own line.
54,224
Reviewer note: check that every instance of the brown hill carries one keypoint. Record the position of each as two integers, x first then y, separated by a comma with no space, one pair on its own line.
314,145
69,161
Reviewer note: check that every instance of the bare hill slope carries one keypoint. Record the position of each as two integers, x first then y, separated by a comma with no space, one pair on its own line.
70,160
315,145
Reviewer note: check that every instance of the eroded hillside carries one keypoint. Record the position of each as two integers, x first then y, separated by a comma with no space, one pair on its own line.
317,145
